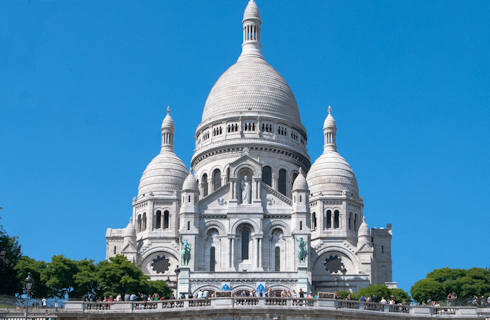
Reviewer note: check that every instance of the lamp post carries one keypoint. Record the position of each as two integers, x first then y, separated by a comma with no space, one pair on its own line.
343,270
336,286
177,271
28,285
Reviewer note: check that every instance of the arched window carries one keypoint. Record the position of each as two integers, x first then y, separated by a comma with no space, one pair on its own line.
188,225
277,259
228,174
295,175
301,225
212,259
382,250
205,184
267,175
159,220
245,242
313,221
114,249
350,220
139,223
216,179
355,222
281,182
329,219
165,219
144,221
336,222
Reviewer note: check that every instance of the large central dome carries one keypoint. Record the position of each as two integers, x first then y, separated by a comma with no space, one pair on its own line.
251,86
251,107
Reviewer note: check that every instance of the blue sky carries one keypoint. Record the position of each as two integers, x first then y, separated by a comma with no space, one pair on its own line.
84,86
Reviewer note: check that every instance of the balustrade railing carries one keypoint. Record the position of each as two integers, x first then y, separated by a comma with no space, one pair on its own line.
265,302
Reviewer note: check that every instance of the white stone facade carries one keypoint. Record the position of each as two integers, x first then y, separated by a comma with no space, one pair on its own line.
247,204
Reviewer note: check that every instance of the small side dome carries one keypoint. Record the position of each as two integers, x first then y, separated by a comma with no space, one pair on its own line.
130,230
163,176
331,174
190,183
166,172
300,182
364,229
251,11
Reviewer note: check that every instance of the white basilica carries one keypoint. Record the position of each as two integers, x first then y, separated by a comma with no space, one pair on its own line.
247,215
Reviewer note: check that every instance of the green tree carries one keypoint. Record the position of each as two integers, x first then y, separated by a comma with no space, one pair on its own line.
445,274
25,265
427,288
343,294
400,294
10,253
380,290
119,276
85,279
59,275
465,283
159,287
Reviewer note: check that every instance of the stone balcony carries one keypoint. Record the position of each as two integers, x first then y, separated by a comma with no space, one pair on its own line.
259,308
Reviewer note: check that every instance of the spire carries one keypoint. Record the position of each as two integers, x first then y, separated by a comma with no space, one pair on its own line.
251,31
330,132
168,131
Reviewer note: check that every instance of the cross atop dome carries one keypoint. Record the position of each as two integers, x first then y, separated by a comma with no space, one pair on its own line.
168,109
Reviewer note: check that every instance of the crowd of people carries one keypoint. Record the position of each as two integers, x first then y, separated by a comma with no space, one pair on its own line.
481,301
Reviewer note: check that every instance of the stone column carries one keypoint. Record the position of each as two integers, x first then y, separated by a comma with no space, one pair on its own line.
151,216
184,281
233,189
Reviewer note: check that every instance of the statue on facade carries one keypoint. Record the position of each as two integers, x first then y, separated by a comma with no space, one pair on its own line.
245,190
185,253
302,253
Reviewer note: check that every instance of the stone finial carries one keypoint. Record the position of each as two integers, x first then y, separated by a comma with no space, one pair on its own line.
168,109
329,110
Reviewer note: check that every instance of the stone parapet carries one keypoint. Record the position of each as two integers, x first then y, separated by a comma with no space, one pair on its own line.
259,308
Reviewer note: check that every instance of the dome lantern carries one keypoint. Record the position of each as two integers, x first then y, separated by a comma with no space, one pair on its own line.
251,30
168,130
330,132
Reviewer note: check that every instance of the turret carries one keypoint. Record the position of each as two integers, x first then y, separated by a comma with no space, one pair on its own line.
330,132
129,248
251,30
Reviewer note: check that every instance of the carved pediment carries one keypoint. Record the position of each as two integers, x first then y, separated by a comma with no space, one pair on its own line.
248,162
217,199
272,199
365,247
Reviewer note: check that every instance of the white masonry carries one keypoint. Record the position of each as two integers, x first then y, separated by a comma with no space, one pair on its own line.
247,205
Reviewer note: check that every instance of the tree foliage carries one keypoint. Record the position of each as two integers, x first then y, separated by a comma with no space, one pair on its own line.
36,268
119,276
10,253
381,290
85,280
440,282
426,289
59,275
